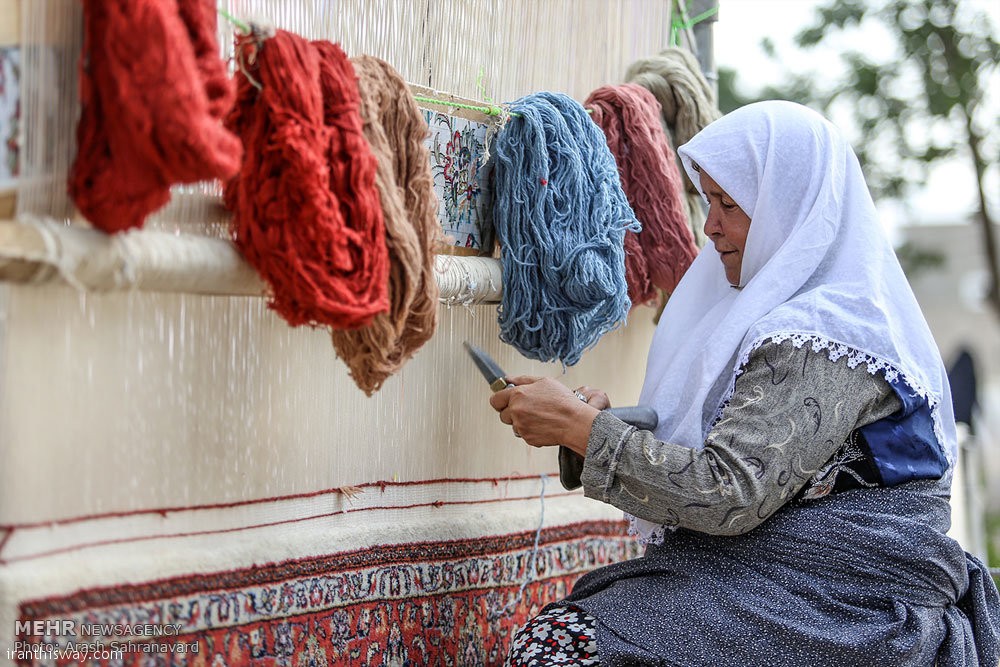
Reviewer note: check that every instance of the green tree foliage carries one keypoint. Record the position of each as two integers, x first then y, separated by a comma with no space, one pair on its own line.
916,108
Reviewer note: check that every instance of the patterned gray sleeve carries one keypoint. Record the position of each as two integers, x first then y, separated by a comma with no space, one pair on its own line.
791,410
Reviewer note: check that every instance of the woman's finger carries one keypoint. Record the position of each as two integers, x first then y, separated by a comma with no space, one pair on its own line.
500,400
594,397
523,379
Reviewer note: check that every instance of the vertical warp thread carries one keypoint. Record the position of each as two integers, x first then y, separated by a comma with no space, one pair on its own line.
660,254
688,104
306,213
153,90
395,130
560,217
531,568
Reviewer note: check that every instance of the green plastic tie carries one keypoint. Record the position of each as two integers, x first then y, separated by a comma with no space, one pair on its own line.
490,110
245,27
701,17
677,23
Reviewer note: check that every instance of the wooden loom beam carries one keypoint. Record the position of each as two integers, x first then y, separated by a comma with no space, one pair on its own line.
38,251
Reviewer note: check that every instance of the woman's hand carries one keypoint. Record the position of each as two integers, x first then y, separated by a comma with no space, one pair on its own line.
545,412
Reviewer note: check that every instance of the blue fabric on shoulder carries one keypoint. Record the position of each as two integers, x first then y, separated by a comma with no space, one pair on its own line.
903,444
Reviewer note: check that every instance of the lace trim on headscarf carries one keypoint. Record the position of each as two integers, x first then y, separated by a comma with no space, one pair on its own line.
835,350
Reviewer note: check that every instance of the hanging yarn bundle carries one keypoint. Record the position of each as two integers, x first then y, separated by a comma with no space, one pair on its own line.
560,216
660,254
200,17
306,214
688,105
685,96
395,129
153,91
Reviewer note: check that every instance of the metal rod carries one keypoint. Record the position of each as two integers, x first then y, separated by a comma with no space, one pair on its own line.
704,33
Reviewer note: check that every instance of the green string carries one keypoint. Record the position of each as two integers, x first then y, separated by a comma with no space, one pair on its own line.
481,85
235,21
701,17
490,110
678,23
712,11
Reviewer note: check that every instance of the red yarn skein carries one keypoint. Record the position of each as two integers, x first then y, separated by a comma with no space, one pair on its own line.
153,91
306,213
200,17
630,117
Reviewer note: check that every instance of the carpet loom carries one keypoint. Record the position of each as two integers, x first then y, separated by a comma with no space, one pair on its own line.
183,457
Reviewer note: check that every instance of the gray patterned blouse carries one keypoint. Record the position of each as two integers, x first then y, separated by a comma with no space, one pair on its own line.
787,431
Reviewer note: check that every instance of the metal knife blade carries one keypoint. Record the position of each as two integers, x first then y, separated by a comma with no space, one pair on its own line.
491,371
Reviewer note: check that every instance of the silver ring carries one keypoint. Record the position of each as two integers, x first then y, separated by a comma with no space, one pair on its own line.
580,396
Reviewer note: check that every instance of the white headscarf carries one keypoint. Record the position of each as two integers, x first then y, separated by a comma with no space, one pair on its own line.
817,268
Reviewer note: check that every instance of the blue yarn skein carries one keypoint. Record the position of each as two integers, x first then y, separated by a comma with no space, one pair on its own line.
560,215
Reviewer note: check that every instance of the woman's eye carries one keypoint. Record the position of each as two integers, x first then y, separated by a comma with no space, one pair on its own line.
727,206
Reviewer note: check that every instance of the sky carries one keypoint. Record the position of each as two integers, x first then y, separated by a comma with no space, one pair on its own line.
950,194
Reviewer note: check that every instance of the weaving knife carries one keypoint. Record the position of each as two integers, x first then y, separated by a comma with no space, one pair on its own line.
640,416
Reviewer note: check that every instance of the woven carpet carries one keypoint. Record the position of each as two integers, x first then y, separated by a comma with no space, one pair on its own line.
453,596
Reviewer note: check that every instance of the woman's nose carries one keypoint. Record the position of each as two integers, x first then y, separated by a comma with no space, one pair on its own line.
712,226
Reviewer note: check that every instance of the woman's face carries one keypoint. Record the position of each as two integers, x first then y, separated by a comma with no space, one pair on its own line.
727,227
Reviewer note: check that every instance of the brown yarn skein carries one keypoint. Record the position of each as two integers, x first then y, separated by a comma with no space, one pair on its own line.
395,129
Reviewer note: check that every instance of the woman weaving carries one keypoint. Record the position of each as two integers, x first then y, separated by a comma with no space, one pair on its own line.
794,497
